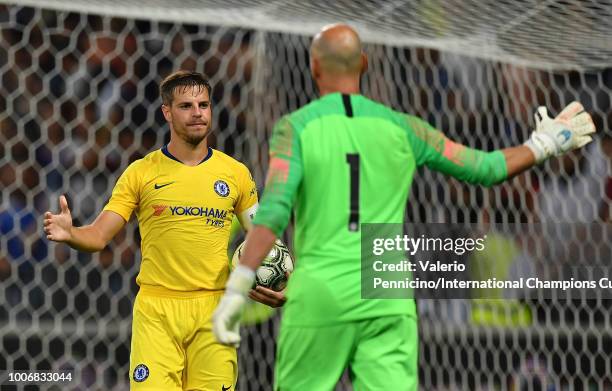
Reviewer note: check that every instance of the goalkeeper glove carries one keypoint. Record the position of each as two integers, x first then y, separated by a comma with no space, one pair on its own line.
553,137
226,318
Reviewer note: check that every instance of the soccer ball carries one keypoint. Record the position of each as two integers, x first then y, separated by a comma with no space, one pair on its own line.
272,272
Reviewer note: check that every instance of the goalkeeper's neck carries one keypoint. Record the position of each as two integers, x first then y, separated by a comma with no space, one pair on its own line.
342,84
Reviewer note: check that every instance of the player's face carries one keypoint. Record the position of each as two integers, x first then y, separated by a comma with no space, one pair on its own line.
190,114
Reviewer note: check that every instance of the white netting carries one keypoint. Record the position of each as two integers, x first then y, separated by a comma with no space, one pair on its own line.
79,102
560,34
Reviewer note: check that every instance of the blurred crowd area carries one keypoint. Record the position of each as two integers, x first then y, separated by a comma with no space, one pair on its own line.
79,102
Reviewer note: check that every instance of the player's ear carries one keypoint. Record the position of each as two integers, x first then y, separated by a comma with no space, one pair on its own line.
166,111
364,63
315,68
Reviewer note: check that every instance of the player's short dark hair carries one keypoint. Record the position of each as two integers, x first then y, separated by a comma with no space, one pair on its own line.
181,79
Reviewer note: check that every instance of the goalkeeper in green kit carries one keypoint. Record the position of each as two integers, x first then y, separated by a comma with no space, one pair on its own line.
344,160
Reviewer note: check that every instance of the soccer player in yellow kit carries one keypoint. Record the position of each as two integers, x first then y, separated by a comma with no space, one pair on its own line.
184,196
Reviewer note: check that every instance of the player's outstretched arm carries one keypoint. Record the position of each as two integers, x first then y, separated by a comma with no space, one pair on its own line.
91,238
571,129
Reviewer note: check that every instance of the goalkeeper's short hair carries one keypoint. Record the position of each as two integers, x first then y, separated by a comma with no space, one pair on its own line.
181,79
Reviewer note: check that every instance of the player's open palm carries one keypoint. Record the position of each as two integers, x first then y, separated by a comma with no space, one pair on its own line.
571,129
58,227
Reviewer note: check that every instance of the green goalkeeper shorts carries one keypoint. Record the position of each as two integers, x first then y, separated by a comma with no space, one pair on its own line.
381,354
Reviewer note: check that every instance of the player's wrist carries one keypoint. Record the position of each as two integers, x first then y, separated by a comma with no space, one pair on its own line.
538,147
70,240
241,280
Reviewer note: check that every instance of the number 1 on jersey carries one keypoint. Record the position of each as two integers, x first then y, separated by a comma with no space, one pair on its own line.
353,160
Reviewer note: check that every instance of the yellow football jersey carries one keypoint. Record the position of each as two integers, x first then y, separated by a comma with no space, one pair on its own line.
185,215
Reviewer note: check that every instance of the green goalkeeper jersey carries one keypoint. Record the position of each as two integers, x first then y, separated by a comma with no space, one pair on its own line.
340,161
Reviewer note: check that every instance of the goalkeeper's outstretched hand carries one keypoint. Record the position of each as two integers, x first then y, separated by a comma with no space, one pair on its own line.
226,319
569,130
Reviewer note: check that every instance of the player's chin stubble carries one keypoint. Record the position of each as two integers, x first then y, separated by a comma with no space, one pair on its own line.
194,139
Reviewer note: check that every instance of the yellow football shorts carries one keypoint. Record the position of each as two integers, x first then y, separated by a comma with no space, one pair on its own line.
173,347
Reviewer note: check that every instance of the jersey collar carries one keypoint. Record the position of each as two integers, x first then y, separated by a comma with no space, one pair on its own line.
165,151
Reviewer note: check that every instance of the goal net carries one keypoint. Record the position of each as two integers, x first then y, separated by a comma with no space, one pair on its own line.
79,102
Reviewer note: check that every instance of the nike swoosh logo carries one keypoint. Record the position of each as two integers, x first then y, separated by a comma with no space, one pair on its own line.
223,388
162,185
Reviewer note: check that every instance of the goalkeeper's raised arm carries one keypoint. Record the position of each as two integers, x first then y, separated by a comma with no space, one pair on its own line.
571,129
